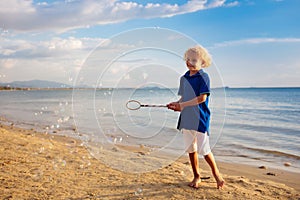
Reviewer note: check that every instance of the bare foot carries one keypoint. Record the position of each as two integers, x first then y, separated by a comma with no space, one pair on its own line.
195,182
220,181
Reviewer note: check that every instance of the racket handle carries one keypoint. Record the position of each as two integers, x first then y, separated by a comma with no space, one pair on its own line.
153,105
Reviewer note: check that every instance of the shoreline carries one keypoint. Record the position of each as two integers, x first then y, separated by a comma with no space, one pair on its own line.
70,133
39,165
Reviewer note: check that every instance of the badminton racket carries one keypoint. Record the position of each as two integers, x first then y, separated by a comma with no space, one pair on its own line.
135,105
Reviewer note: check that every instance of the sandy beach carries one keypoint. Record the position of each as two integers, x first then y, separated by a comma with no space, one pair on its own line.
44,166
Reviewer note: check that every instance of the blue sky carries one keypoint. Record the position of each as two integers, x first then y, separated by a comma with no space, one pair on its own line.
253,43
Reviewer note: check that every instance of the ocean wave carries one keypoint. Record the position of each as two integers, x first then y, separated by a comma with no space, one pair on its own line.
268,151
276,153
268,129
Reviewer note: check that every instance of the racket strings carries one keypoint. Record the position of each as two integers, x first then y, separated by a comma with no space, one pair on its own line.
133,105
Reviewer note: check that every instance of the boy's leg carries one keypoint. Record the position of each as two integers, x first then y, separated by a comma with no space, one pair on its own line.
215,171
195,166
190,142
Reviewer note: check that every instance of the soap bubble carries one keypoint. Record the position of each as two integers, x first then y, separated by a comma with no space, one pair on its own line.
36,174
41,150
117,140
59,164
143,65
85,162
139,192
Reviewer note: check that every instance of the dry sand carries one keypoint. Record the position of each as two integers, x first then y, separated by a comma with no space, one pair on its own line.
39,166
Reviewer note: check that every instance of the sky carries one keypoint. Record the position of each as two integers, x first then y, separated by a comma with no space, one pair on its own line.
253,43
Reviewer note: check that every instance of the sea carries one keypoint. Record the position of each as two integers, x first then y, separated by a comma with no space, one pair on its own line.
254,126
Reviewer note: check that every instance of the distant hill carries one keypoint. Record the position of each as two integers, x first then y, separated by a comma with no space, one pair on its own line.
35,84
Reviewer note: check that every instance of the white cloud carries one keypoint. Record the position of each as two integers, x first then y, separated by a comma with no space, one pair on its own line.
17,7
60,16
217,3
55,47
57,58
255,41
8,63
259,62
232,4
65,44
54,59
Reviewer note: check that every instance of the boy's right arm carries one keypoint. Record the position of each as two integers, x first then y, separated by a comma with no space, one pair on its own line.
172,104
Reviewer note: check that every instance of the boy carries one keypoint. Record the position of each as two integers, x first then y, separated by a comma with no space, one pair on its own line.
195,115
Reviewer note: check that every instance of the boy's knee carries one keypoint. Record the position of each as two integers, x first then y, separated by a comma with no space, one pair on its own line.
207,155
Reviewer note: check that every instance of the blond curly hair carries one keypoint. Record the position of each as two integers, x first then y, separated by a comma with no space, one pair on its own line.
202,53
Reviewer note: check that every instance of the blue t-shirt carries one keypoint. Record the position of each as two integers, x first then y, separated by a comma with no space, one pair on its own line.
194,117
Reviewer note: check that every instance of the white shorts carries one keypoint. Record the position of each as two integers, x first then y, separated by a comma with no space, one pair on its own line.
195,141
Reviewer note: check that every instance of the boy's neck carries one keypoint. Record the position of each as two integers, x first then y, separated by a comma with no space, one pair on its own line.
192,72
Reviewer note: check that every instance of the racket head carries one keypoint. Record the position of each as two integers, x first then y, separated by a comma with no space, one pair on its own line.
133,105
